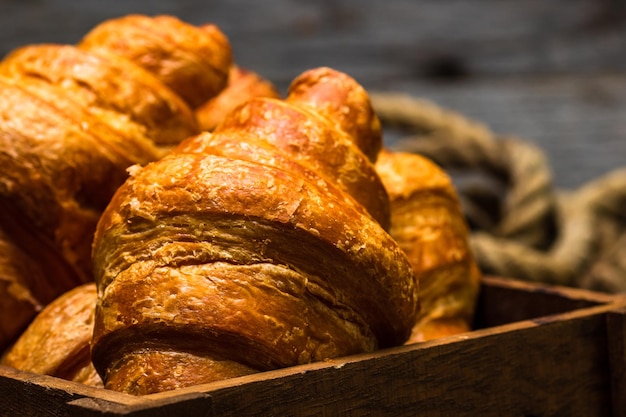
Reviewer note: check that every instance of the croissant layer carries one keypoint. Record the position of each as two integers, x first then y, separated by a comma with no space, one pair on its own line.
204,189
74,118
56,343
311,140
249,249
193,61
107,85
429,225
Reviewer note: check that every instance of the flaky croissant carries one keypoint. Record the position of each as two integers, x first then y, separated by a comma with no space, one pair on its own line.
74,118
428,223
254,247
22,286
57,341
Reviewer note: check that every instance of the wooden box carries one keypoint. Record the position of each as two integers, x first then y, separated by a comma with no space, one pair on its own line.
536,351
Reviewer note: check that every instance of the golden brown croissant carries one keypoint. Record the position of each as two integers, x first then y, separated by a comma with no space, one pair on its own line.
19,300
57,341
74,118
243,250
192,61
428,224
242,85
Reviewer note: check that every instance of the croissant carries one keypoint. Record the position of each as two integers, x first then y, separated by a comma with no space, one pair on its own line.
192,61
427,222
74,118
20,297
57,341
243,85
248,249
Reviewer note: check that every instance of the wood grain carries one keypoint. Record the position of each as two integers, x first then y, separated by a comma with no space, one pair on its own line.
616,330
565,358
527,372
550,72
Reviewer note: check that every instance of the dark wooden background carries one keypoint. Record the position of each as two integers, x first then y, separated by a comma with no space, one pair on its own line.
550,71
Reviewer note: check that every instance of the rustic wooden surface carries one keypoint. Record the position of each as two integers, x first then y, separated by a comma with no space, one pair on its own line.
616,330
551,72
562,359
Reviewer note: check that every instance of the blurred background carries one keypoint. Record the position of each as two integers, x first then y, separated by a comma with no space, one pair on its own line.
550,72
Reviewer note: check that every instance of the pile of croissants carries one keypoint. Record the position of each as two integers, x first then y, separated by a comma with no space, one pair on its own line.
170,219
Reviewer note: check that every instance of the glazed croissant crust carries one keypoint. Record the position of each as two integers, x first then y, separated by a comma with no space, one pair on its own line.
73,118
258,246
428,223
57,341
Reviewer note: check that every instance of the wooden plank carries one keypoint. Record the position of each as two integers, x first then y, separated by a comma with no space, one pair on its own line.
530,368
576,120
616,331
190,404
503,300
549,72
26,394
533,366
396,38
